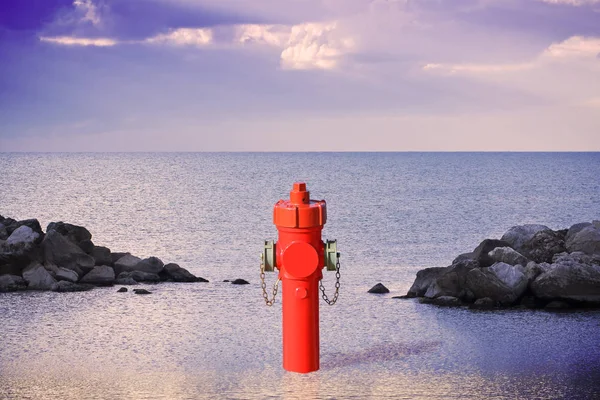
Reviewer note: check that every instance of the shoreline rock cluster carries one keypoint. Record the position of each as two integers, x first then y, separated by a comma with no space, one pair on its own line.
531,266
64,259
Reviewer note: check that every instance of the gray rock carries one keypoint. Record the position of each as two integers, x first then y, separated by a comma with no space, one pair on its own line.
152,265
122,290
11,269
518,235
73,233
141,291
11,225
240,282
141,276
102,255
575,229
483,304
501,282
481,252
127,263
575,276
51,267
587,240
543,246
66,286
64,274
126,281
378,289
114,257
464,257
100,275
87,246
533,270
446,301
452,281
3,233
23,235
424,279
12,283
557,305
508,256
38,278
62,252
178,274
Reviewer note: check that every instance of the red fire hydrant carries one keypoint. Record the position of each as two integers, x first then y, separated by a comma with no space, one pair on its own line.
300,256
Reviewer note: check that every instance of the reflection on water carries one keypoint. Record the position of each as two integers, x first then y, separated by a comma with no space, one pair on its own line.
391,213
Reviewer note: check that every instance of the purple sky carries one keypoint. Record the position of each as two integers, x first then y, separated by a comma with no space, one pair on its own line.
299,75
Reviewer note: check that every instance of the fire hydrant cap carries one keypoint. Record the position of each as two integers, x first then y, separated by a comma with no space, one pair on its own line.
300,211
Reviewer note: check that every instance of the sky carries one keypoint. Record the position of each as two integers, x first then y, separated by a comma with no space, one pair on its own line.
300,75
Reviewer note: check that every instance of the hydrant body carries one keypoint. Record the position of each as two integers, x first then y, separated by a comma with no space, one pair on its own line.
300,258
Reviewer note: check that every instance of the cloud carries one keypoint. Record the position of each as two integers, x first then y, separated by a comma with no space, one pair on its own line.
272,35
572,2
88,11
184,37
574,47
77,41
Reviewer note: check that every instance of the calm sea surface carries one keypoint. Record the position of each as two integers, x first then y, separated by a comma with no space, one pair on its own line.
392,214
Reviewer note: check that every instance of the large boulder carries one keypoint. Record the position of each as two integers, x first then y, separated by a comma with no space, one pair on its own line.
141,276
425,278
87,246
12,283
574,276
508,256
127,263
64,253
10,225
74,233
518,235
38,278
152,265
481,252
64,274
176,273
532,270
452,281
23,235
102,255
114,257
586,240
543,246
100,275
575,229
501,282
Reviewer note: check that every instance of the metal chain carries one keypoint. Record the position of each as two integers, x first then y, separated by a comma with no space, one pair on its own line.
337,284
263,285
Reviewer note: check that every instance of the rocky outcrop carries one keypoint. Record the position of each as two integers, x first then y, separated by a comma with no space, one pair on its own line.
379,289
65,260
532,267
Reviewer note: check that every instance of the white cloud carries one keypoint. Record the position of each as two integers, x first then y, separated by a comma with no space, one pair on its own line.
273,35
478,68
77,41
88,10
184,37
574,47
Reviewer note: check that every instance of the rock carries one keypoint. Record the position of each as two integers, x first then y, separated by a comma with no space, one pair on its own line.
122,290
141,276
543,246
481,252
126,281
3,232
64,274
508,256
23,235
38,278
11,269
379,289
66,286
12,283
587,240
114,257
100,275
464,257
533,270
403,297
62,252
178,274
529,302
51,267
141,291
501,282
10,225
575,229
102,255
425,278
574,276
73,233
557,305
447,301
87,246
127,263
151,265
239,282
484,303
518,235
452,281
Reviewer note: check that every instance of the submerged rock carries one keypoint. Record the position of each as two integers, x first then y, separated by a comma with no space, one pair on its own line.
141,291
379,289
447,301
483,304
122,290
239,282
